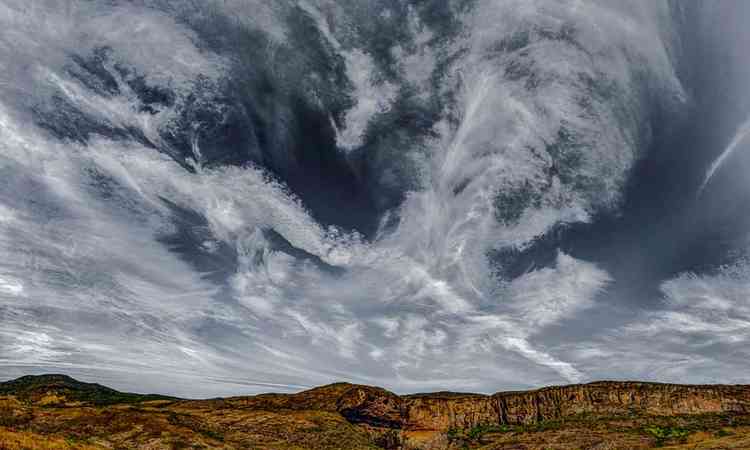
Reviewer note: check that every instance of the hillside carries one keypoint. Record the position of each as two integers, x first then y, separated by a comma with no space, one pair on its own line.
57,412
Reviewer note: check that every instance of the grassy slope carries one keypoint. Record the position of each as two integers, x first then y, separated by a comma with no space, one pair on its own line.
57,412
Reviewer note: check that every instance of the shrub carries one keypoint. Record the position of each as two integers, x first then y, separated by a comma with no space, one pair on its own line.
663,434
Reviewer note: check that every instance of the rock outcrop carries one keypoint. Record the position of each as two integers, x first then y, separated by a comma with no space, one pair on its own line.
444,411
344,416
614,398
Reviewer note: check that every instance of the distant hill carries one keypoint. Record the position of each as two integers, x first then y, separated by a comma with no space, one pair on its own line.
32,388
56,411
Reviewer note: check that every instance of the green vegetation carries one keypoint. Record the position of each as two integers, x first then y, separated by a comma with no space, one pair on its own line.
723,433
55,388
477,433
57,412
663,434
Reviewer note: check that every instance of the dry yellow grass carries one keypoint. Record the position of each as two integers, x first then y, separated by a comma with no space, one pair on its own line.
21,440
734,439
51,399
226,425
59,413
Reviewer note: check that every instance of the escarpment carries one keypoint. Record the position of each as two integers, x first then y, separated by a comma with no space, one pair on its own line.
344,416
444,411
613,398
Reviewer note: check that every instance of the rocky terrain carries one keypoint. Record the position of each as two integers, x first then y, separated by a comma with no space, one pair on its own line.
56,412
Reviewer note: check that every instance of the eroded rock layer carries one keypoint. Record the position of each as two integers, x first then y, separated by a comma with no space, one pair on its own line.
65,413
443,411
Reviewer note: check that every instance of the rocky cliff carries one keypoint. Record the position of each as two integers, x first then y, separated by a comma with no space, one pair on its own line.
616,415
612,398
444,411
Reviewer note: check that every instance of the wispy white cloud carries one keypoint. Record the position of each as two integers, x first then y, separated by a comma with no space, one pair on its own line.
83,226
698,334
545,296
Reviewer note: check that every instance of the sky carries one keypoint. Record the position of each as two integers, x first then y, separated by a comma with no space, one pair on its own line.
239,196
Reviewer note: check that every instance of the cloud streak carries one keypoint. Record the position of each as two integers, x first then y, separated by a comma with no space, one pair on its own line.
134,247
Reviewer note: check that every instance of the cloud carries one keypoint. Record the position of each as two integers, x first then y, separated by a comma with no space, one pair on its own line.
698,335
103,239
567,370
713,308
545,296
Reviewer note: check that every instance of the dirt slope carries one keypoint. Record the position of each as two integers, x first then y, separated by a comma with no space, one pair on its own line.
58,412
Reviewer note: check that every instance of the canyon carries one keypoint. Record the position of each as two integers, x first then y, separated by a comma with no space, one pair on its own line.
56,411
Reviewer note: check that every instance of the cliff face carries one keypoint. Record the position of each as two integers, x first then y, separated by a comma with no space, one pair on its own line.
613,398
444,411
372,406
342,416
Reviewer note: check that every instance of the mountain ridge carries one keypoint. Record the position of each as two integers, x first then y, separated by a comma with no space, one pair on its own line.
52,378
632,414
